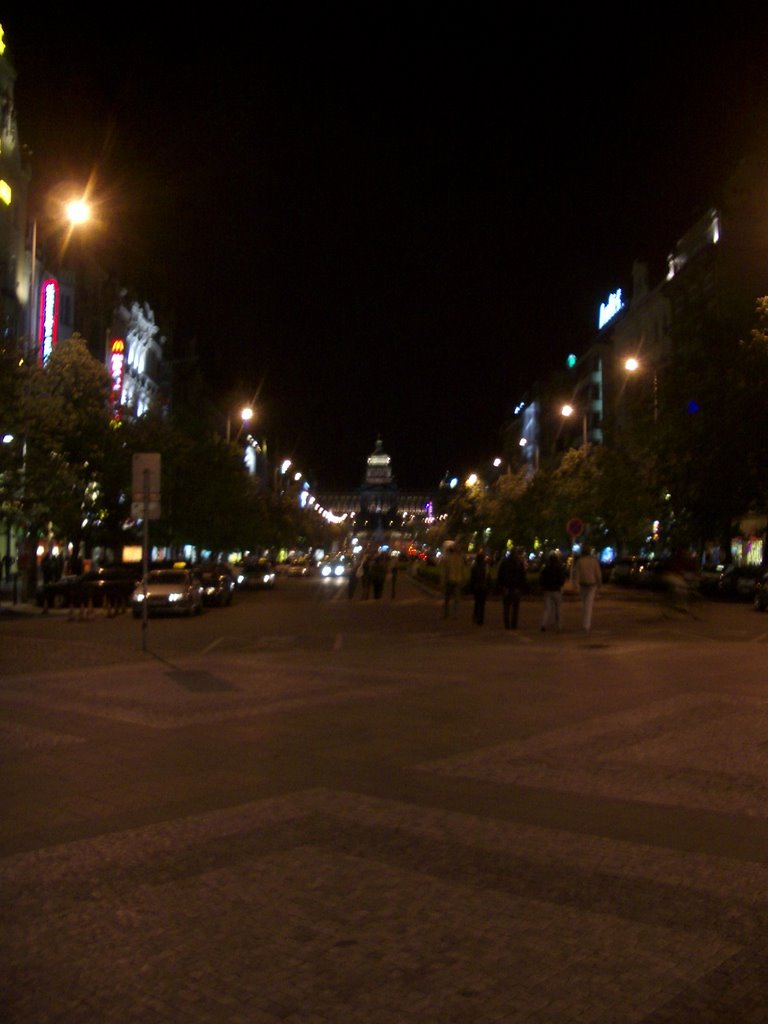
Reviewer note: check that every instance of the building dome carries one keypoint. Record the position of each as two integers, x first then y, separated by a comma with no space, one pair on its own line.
379,469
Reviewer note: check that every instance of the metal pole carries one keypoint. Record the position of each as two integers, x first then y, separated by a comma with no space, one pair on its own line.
145,565
32,300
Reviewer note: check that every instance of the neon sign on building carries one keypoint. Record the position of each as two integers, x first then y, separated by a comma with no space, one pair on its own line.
116,369
49,318
609,309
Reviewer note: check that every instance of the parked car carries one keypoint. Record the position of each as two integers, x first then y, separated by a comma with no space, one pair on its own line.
760,596
218,582
113,584
168,592
653,574
738,582
709,577
300,566
256,575
624,570
59,593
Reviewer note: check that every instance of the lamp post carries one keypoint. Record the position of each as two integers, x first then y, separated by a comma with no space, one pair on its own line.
245,415
75,212
567,411
633,365
280,471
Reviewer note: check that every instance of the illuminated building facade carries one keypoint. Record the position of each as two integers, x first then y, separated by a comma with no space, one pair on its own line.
135,358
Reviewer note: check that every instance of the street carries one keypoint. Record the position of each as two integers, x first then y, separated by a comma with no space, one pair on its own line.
304,808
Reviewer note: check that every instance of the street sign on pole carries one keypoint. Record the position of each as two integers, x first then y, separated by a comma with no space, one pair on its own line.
145,503
575,527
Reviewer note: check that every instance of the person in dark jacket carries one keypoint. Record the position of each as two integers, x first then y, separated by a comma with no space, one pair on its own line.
552,580
511,581
479,583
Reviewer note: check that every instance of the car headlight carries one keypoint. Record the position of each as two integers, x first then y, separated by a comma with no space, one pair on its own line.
339,570
139,596
325,571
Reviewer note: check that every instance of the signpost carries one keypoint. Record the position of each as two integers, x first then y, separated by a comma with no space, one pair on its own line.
575,527
145,505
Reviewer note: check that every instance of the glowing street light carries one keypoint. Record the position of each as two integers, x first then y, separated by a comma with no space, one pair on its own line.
78,211
567,411
633,365
246,415
74,213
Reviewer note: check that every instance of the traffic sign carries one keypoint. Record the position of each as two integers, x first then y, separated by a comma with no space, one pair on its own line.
146,486
575,527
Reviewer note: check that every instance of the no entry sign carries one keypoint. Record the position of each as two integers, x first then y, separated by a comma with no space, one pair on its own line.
575,527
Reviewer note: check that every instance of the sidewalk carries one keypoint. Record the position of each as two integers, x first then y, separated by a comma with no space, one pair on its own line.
468,829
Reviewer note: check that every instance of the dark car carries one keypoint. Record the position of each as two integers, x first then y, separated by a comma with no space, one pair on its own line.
60,593
258,574
218,583
760,594
738,582
624,570
109,586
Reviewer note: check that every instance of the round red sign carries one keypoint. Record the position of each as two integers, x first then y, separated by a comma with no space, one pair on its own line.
575,527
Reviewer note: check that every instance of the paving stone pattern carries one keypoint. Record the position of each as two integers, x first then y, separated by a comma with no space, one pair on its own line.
600,865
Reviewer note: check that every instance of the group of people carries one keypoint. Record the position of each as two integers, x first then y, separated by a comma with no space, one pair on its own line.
370,574
511,580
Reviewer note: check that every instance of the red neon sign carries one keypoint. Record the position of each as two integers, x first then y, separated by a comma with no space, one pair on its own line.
49,318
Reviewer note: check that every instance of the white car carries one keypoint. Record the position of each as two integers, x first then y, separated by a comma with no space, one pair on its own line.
168,592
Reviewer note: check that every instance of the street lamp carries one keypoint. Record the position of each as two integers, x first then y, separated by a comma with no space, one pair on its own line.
280,472
246,415
633,365
75,212
568,410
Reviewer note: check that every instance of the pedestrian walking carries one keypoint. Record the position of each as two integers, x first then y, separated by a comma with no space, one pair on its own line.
479,582
353,579
552,581
365,576
378,574
394,568
588,578
512,582
452,573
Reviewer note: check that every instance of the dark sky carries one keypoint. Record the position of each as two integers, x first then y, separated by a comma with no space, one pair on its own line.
388,229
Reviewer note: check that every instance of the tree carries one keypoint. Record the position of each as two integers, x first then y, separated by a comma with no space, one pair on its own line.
505,510
66,417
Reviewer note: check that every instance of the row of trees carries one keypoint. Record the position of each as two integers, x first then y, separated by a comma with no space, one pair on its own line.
694,460
67,461
685,463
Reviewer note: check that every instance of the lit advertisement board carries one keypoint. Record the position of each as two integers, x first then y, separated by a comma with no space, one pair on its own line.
49,319
610,308
116,369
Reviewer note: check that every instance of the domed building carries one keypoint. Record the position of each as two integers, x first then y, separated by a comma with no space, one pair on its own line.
378,494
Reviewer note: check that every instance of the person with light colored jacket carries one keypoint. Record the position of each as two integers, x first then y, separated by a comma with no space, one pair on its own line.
452,573
588,578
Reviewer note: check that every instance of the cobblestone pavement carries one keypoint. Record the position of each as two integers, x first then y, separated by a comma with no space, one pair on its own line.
461,829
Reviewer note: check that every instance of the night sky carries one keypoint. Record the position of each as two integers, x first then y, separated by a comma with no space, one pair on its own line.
388,229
